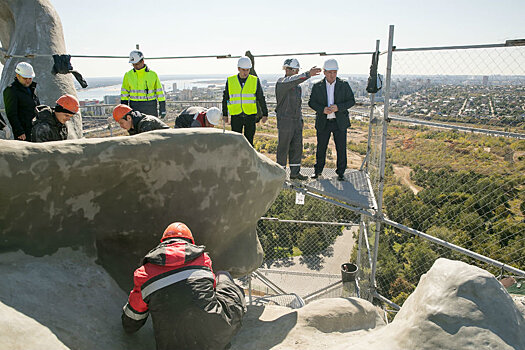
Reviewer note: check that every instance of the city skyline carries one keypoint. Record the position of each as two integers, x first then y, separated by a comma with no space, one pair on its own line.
171,29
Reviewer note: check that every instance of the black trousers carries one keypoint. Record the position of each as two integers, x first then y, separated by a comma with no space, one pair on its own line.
246,122
145,107
323,137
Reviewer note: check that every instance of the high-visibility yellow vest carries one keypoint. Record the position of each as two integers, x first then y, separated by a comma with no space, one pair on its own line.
141,85
242,99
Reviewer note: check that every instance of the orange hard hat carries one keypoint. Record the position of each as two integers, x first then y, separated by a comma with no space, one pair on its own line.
69,102
120,111
177,230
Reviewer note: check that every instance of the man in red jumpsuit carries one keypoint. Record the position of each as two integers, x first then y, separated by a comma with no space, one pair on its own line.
191,308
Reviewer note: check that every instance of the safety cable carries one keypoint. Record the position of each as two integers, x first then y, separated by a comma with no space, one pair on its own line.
508,43
5,55
125,57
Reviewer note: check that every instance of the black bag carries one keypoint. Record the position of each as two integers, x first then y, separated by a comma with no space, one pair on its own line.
375,81
184,120
62,65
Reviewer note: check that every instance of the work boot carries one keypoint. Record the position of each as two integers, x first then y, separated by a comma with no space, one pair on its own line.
315,176
299,177
341,177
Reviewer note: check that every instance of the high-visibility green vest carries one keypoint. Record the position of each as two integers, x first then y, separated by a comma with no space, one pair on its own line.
141,85
242,99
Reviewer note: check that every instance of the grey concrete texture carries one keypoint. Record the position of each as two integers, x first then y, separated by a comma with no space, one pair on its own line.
455,306
63,301
117,195
34,27
322,324
67,301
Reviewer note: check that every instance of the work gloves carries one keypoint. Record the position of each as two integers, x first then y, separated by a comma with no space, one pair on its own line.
162,109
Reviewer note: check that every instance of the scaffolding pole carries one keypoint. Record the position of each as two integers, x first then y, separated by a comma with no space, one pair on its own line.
379,213
346,224
372,106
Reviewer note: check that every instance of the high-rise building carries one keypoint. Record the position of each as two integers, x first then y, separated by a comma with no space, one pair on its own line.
111,99
485,80
175,87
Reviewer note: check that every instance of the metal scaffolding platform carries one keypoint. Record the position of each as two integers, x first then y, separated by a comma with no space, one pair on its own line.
356,190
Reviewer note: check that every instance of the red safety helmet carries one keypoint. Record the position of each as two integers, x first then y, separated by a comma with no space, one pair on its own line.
69,102
177,230
120,111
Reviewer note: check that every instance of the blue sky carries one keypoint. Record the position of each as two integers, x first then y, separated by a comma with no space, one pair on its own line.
180,28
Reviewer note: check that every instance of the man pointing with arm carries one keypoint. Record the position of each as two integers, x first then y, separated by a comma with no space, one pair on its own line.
290,117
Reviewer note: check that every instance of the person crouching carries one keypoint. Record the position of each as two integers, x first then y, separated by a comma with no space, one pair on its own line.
50,123
198,117
190,306
135,122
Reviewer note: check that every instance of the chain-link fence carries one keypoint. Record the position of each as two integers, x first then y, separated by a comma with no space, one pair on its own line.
454,169
455,161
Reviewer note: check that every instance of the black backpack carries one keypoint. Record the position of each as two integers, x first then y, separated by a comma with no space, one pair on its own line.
375,81
184,120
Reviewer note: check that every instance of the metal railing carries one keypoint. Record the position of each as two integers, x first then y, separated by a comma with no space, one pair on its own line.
460,198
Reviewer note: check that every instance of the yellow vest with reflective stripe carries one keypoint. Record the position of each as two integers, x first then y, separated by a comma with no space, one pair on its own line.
242,99
141,85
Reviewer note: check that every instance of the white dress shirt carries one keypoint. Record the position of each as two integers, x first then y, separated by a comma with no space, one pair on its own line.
330,94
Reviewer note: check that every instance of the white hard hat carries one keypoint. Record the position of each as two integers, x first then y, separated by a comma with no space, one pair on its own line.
135,56
244,62
25,70
330,64
213,115
291,63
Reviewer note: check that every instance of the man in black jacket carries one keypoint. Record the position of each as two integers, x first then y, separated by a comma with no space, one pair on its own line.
50,123
331,98
20,101
135,122
191,308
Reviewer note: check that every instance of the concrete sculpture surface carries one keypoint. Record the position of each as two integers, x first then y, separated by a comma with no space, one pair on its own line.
60,301
63,301
117,195
33,27
455,306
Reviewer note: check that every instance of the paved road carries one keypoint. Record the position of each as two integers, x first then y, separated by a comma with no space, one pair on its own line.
303,275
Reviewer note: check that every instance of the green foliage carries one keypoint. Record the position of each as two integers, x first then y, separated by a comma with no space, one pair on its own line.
313,240
307,133
458,151
358,147
283,240
401,286
471,207
265,144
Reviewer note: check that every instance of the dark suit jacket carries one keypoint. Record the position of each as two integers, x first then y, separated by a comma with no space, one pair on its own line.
20,103
343,98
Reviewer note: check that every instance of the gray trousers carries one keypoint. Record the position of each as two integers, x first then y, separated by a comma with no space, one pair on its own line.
290,144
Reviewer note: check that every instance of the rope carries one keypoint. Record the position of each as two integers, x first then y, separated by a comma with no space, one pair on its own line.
125,57
508,43
197,56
